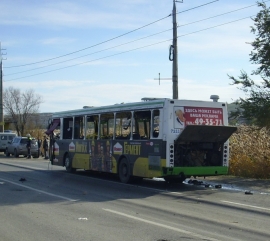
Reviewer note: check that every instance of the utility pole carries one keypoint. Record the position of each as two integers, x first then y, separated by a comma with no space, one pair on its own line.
1,93
161,79
174,54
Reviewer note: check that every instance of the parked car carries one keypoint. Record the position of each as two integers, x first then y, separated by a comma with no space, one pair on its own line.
18,147
5,137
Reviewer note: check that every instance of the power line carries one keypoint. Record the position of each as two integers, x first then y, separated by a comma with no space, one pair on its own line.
182,25
128,50
90,53
219,15
38,62
196,7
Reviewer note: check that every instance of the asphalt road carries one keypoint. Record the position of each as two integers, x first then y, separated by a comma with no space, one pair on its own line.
43,202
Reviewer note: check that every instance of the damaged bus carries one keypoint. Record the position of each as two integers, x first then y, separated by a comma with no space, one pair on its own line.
166,138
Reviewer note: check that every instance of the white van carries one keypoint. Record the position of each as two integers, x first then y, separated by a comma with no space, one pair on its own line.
5,137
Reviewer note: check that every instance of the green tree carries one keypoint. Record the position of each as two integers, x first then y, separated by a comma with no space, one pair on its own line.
255,107
21,107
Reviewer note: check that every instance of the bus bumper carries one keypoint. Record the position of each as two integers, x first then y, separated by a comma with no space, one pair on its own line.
195,171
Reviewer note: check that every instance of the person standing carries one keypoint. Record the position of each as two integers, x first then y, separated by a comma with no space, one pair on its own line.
28,145
45,147
39,146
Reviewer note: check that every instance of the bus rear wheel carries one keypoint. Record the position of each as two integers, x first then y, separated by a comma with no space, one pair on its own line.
124,171
68,164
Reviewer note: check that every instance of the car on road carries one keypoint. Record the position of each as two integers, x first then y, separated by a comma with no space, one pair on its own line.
17,147
5,137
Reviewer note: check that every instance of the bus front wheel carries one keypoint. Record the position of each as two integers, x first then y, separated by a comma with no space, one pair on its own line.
68,164
124,171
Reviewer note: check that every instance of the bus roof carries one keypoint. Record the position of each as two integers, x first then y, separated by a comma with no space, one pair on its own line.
146,103
112,108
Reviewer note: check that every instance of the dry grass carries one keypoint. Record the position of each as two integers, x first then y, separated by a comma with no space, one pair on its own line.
250,153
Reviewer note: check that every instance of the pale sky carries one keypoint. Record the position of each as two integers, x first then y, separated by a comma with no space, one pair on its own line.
72,52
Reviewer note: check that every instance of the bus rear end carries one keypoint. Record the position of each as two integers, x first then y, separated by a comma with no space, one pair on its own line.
196,134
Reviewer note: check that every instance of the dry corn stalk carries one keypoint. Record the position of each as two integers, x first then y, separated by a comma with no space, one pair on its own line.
250,153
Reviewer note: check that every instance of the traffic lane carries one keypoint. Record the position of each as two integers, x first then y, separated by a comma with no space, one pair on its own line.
54,176
136,213
250,186
55,217
124,212
58,177
182,201
66,220
226,182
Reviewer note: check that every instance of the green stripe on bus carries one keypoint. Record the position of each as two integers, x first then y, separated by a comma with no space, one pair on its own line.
196,171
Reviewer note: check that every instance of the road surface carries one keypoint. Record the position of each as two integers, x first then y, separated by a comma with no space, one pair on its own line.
43,202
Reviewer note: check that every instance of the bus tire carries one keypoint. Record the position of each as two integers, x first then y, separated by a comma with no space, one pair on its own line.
124,171
68,164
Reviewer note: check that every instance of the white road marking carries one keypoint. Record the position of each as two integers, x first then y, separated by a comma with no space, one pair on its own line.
245,205
37,190
161,225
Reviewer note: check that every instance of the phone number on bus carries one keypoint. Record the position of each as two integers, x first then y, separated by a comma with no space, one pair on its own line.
201,121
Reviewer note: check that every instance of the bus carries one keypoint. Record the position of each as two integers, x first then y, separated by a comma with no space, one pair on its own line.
162,138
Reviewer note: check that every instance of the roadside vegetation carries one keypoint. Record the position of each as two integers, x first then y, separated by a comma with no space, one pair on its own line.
250,152
22,108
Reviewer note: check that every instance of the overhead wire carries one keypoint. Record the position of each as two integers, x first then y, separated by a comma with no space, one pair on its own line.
38,62
128,50
182,25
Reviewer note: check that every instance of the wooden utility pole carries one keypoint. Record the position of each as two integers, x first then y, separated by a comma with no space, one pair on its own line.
174,53
175,60
1,93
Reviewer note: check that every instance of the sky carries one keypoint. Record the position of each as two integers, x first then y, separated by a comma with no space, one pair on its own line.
94,53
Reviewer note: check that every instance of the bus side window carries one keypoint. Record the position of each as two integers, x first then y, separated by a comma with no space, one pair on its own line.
106,125
92,127
155,124
123,125
111,128
67,128
142,124
79,127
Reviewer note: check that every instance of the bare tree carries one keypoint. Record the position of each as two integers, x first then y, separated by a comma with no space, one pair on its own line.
21,106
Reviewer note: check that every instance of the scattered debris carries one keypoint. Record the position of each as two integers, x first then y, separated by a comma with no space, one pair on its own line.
85,219
22,179
248,193
195,182
218,186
